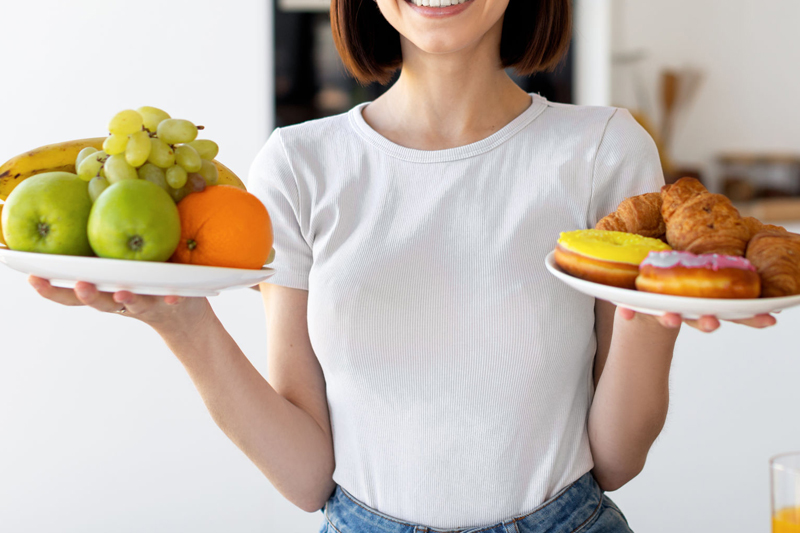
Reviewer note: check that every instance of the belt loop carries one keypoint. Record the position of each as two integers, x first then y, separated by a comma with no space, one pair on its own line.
420,529
511,526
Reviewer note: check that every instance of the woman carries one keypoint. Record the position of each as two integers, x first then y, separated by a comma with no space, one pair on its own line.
425,371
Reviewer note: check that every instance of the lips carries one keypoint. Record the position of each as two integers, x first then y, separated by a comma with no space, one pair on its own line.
439,8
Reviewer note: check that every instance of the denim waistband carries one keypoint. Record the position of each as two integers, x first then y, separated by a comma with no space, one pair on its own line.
567,512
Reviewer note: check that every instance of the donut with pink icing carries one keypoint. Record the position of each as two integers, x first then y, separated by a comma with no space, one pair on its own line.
671,259
701,276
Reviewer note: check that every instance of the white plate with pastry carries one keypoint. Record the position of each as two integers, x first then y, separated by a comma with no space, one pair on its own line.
660,304
141,277
715,263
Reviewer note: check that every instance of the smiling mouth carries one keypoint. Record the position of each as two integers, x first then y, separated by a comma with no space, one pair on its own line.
436,3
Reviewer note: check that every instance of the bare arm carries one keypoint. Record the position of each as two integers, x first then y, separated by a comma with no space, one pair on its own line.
631,375
283,425
631,396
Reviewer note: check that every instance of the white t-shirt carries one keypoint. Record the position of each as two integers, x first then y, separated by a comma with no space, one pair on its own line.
458,370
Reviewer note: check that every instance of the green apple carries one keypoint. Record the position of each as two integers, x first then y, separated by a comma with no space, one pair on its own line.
134,219
48,213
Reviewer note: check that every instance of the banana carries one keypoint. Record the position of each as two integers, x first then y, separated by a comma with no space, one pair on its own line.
61,157
49,158
2,239
227,177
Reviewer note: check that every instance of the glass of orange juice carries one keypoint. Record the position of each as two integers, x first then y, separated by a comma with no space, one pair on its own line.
785,488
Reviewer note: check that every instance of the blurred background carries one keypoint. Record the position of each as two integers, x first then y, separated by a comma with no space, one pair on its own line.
100,428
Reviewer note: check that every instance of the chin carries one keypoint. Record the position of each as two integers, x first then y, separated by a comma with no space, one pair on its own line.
448,34
441,44
446,39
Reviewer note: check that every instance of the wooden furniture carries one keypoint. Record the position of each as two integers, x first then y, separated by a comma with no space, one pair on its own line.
749,176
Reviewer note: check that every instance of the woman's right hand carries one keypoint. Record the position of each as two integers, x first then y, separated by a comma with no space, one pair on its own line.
171,312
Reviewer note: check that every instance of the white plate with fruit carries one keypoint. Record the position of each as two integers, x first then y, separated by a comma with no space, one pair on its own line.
152,212
140,277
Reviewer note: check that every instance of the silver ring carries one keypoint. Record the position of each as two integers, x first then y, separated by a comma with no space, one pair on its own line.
122,311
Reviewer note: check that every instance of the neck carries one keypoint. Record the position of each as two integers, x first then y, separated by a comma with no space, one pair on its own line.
446,100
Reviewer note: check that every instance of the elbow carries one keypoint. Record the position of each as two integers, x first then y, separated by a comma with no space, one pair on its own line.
312,496
611,484
310,506
313,503
610,480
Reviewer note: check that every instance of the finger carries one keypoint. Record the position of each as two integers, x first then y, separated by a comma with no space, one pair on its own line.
759,321
705,323
89,295
626,314
172,300
46,290
134,303
709,323
670,320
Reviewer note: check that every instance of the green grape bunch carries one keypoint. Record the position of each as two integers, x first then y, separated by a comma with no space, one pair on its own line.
147,143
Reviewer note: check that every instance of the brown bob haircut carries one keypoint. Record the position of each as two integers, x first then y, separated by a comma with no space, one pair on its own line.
536,34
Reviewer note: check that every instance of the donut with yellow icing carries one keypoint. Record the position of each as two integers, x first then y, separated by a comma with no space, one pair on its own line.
607,257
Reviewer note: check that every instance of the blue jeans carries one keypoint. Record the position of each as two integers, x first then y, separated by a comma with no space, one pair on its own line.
580,508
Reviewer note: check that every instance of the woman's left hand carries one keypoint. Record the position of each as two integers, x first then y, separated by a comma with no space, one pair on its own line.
705,324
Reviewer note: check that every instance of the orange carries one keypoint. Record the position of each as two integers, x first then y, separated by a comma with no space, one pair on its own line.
223,226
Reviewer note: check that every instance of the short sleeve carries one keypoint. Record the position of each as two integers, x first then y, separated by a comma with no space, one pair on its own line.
627,164
272,180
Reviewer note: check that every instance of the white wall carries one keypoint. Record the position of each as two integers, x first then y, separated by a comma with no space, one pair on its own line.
734,397
592,71
735,392
748,50
100,429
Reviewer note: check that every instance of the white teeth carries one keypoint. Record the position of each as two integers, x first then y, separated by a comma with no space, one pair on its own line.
437,3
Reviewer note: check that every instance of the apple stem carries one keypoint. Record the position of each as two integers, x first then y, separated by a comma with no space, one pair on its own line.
43,228
135,243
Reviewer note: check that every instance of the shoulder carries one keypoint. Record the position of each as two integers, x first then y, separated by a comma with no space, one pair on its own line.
605,120
314,140
578,112
297,157
316,133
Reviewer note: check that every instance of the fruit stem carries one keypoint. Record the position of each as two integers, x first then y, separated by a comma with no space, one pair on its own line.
135,243
191,244
43,228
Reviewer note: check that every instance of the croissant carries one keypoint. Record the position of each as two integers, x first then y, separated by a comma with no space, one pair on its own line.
776,256
701,222
755,226
638,214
